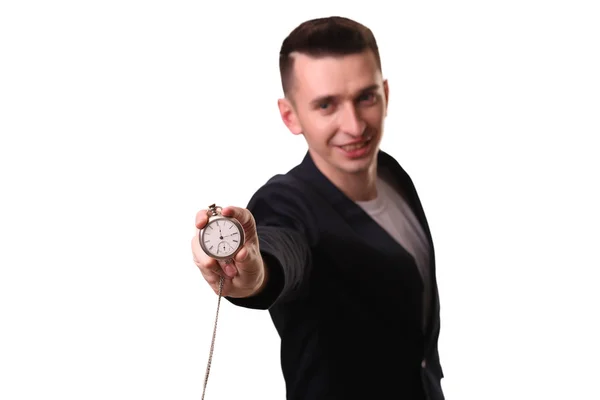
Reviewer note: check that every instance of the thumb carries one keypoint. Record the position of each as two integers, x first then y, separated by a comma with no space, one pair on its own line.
244,217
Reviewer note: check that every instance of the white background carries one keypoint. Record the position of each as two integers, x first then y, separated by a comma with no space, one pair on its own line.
120,119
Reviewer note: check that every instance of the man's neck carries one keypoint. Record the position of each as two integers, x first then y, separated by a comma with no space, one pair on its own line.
361,186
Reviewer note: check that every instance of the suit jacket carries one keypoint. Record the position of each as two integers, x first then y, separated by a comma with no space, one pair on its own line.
344,296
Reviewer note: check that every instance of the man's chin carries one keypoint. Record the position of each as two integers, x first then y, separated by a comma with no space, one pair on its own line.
356,166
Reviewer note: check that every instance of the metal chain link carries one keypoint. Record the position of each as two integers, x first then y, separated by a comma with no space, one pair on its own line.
212,344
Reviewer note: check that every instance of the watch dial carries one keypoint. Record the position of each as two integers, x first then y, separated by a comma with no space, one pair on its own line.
221,238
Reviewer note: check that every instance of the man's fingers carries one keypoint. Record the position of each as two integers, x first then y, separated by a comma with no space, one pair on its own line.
210,268
206,264
212,275
244,265
229,268
242,255
211,272
201,218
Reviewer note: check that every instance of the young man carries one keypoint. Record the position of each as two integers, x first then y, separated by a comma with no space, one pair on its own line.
338,248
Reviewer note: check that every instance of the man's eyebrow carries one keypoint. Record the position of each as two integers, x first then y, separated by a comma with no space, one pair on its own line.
322,99
370,88
330,97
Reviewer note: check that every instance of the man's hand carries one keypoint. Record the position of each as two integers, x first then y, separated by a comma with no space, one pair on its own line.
246,274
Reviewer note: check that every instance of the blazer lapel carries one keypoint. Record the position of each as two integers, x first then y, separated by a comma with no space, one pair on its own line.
405,183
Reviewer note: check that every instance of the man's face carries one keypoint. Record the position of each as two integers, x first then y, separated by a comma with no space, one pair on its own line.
339,105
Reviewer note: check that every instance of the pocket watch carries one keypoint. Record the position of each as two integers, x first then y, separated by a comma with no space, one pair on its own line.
222,237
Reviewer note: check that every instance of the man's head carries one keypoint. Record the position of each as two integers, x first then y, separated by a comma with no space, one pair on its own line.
335,94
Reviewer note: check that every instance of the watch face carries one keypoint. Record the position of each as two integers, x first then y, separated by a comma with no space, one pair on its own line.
221,238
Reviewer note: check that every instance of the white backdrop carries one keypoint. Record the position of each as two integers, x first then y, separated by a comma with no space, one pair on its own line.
120,119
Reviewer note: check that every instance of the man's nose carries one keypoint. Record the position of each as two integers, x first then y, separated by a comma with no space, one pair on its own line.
351,122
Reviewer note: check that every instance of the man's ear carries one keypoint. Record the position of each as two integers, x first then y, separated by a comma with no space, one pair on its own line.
288,116
386,91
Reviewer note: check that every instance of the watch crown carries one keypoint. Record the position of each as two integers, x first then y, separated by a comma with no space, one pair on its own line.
213,209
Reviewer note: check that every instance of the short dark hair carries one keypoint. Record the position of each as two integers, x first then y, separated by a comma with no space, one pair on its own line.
329,36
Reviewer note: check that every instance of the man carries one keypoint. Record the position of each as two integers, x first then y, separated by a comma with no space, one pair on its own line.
338,248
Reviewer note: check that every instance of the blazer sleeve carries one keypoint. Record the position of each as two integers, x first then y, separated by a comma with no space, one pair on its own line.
285,231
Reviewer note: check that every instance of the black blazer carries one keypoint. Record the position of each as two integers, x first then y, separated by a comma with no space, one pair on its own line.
344,296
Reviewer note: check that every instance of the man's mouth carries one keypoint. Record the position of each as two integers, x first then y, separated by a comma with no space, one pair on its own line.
352,147
355,146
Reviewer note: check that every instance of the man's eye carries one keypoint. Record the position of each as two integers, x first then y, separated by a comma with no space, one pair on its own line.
323,106
366,97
